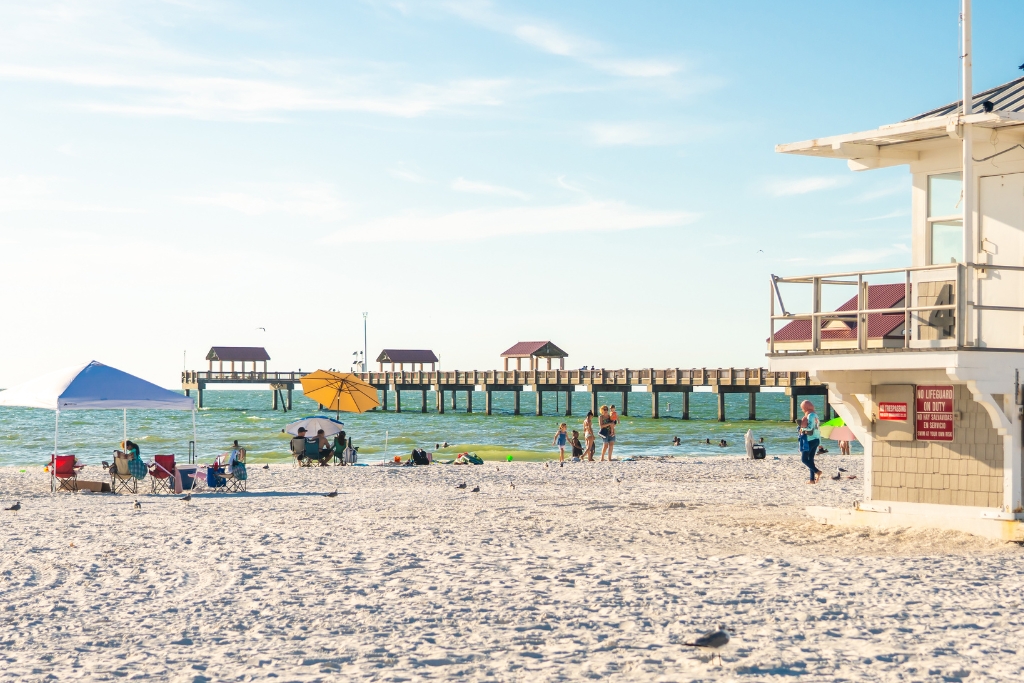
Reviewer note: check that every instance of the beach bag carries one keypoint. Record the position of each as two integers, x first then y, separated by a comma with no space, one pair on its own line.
238,471
349,456
605,431
801,442
420,457
474,458
137,468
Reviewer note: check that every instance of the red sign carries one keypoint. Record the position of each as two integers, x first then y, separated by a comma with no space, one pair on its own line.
935,413
897,412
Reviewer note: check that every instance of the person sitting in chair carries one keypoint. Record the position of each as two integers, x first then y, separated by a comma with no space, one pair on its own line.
298,445
324,446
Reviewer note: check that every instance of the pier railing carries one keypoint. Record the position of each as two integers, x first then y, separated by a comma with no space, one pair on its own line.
650,377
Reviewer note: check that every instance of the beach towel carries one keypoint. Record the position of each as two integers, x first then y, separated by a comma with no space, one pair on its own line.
137,468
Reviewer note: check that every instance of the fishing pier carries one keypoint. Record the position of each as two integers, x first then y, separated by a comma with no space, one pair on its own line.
447,384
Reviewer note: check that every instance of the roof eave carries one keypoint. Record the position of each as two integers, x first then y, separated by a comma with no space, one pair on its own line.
888,145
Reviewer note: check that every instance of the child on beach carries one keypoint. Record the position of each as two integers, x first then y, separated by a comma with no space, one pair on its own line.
577,448
607,433
588,435
560,439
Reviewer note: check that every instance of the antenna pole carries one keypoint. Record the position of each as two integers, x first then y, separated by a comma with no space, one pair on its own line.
969,239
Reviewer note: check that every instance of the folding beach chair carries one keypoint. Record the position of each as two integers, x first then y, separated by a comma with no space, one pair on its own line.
161,472
127,473
64,473
235,480
298,448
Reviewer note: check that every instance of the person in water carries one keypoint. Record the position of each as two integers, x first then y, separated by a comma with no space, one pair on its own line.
676,441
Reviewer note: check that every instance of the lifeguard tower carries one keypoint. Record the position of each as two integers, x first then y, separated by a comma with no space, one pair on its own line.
923,362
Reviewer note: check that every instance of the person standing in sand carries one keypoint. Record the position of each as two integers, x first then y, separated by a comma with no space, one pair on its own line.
561,437
810,439
607,431
588,435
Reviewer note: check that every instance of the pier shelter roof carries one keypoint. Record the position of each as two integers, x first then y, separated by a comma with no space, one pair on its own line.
244,354
407,356
537,349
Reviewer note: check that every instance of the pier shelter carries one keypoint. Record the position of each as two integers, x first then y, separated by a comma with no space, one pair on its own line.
237,354
403,356
534,351
924,362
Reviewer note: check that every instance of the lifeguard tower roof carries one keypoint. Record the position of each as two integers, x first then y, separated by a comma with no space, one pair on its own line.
1000,109
244,354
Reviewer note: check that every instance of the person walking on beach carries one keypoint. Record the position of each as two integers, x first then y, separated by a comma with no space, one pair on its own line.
607,432
561,437
588,435
577,447
810,439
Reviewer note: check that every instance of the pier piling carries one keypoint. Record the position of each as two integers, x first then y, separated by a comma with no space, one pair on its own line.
540,402
515,402
487,402
398,400
440,401
686,405
423,400
654,405
568,404
469,401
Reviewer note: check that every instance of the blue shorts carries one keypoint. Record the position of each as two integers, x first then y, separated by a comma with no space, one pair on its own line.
608,439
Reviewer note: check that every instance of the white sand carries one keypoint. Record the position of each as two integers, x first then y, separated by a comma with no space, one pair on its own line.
569,576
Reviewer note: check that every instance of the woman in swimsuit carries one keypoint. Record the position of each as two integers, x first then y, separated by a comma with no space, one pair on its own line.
588,436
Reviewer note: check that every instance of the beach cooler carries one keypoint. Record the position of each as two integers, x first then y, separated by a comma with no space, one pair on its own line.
759,452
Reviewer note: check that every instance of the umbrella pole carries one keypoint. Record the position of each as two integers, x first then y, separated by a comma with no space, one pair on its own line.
385,445
124,416
56,431
194,433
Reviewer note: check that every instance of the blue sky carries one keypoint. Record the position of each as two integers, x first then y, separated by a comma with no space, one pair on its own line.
178,174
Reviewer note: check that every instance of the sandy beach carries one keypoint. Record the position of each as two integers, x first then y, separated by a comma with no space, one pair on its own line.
592,571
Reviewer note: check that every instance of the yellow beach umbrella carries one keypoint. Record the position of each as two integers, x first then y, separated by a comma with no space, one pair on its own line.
340,391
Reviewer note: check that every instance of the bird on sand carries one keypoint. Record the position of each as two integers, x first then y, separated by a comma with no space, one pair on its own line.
511,484
547,464
136,506
461,486
266,467
187,497
618,480
475,489
332,494
14,508
713,642
837,476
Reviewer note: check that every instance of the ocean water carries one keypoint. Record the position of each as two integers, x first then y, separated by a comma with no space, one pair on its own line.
27,434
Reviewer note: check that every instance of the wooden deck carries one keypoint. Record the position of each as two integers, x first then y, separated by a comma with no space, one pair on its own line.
656,381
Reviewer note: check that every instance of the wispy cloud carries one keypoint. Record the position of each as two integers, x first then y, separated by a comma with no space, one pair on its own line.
637,133
402,173
796,186
891,214
475,187
547,37
848,257
592,216
41,193
312,200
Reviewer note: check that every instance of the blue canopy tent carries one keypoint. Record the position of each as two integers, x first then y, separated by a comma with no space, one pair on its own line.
95,386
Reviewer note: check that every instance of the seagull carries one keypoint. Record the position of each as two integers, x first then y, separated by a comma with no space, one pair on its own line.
842,469
618,480
1021,67
262,328
266,467
187,497
14,508
837,476
106,465
136,507
712,641
547,464
461,486
475,489
332,494
511,484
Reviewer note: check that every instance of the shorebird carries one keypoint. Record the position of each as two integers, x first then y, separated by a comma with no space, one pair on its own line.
332,494
546,464
618,480
266,467
136,506
475,489
511,484
461,486
187,497
14,508
837,476
842,469
713,642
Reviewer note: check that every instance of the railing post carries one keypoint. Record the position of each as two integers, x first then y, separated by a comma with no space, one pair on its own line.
771,320
907,327
961,304
815,318
862,320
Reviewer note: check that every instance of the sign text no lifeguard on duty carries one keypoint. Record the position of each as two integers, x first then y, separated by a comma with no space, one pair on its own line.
935,412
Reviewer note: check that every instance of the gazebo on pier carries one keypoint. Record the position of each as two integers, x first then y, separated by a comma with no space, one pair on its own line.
238,354
403,356
535,350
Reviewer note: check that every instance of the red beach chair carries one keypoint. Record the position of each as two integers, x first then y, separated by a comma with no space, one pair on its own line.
64,473
161,471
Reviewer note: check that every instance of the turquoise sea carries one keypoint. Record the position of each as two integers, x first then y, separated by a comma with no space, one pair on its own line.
26,434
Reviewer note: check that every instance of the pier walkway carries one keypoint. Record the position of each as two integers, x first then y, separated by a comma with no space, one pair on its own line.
722,381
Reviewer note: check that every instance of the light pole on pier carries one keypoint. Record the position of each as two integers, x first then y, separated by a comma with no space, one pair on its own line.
364,340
